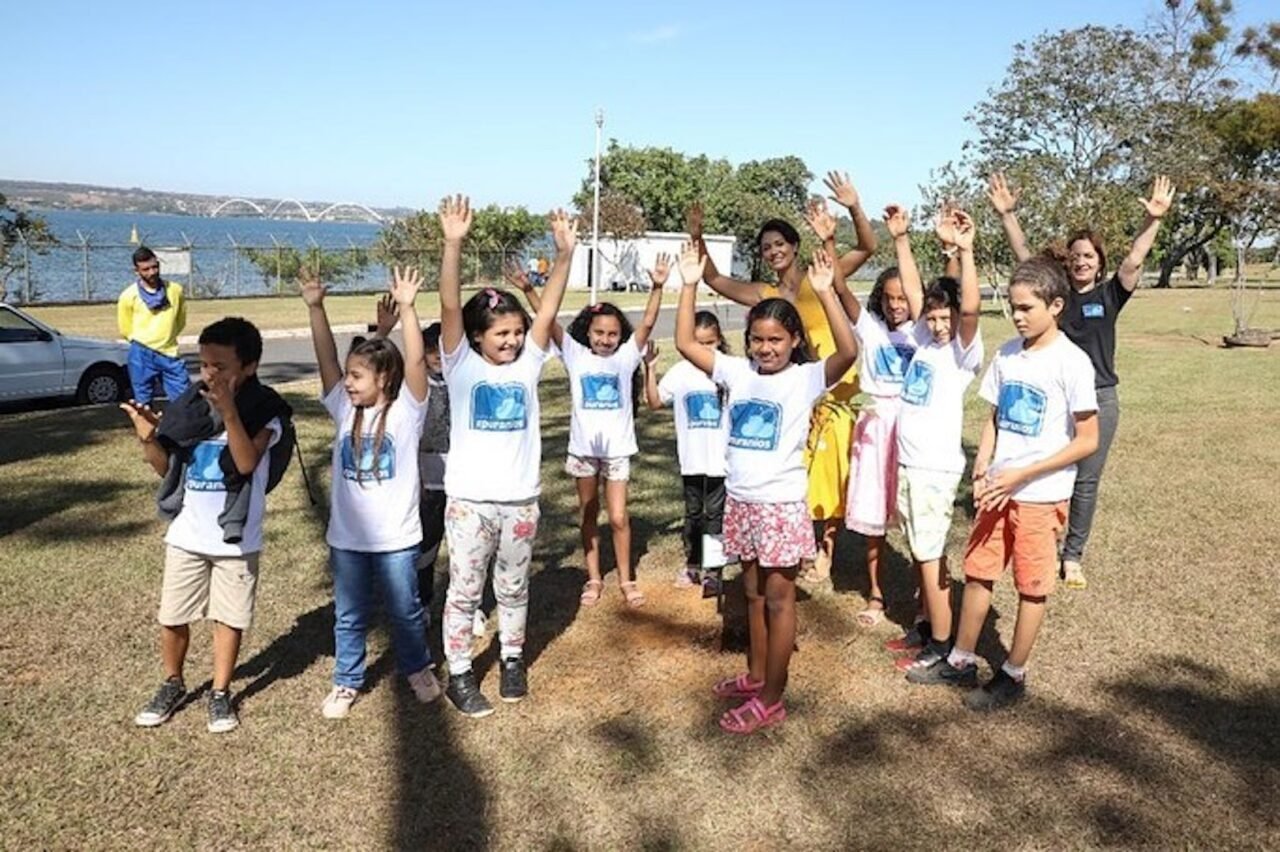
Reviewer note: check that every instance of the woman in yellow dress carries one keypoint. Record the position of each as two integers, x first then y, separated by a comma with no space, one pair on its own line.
827,453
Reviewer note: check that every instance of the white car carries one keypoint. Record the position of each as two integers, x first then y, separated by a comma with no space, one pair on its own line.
37,361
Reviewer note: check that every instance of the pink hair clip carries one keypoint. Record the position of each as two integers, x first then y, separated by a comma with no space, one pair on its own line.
494,298
597,307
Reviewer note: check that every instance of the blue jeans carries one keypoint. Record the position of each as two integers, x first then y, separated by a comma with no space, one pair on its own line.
353,579
147,365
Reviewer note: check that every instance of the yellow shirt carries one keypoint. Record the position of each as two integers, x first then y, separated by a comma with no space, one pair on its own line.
157,330
821,341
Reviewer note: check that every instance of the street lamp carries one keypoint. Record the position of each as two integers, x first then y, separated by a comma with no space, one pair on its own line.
594,272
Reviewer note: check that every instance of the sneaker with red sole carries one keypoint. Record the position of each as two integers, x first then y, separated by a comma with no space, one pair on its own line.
913,640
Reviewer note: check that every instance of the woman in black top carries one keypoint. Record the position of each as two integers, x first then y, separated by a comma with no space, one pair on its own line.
1089,321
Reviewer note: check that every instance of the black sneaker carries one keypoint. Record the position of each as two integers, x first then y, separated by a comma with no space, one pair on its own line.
465,694
942,673
514,684
712,585
222,716
927,656
162,704
1000,691
914,639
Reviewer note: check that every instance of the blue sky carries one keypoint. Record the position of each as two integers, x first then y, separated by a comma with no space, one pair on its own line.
392,103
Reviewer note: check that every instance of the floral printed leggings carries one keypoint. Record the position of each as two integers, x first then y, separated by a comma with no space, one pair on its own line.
480,533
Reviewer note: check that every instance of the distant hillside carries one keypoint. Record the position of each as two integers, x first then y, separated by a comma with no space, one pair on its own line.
78,196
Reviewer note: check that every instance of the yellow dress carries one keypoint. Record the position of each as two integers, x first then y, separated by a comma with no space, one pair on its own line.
831,428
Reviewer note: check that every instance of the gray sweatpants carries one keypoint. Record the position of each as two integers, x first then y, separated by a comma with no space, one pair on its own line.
1084,500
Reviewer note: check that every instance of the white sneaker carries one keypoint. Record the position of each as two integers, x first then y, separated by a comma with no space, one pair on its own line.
338,704
424,685
479,623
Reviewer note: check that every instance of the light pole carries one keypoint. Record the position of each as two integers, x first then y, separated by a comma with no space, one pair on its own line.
594,272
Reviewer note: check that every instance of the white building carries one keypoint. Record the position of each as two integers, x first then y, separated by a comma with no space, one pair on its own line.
627,262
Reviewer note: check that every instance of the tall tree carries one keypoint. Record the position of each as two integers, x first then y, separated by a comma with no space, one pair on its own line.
16,228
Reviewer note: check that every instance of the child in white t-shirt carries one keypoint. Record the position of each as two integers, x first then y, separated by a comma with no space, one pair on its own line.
1043,420
931,457
886,342
493,355
377,404
701,436
766,523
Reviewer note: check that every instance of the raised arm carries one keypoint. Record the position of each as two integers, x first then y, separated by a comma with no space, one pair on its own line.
743,292
651,396
899,224
945,227
820,278
824,227
145,421
455,221
657,275
970,298
843,193
387,316
692,263
405,284
1005,201
321,335
564,231
515,275
1130,272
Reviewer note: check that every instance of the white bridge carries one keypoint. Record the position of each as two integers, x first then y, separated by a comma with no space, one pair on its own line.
292,204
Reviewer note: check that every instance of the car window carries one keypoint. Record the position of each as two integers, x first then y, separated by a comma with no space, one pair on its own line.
16,329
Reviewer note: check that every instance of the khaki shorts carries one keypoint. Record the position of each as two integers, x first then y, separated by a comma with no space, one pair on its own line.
925,502
614,468
220,588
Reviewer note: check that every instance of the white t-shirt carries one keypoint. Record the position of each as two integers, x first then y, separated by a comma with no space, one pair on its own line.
768,427
1036,393
374,504
495,431
204,496
701,427
602,424
883,355
931,418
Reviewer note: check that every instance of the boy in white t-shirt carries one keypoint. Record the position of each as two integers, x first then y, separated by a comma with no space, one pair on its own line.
1043,421
212,444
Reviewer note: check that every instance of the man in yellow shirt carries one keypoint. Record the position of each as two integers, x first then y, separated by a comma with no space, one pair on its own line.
151,313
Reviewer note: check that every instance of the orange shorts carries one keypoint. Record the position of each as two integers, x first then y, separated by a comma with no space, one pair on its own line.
1025,534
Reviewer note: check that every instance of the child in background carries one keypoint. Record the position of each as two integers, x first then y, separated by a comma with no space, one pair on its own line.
766,523
1043,421
701,437
378,404
151,313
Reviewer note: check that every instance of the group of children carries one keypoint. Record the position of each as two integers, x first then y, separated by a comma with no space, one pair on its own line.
444,439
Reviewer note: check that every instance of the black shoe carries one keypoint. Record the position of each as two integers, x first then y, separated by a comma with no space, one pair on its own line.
927,656
222,716
712,585
1000,691
465,694
942,673
514,684
162,704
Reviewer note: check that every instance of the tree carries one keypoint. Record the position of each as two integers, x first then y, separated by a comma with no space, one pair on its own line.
496,233
289,264
18,228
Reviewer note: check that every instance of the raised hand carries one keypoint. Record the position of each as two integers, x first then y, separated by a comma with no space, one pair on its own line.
692,263
1161,198
388,315
220,391
564,230
143,418
842,191
405,284
455,217
312,291
820,220
513,273
693,221
897,220
1003,199
661,270
962,224
945,225
650,353
821,272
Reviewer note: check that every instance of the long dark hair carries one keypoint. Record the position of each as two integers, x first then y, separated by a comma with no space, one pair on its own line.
875,302
706,319
786,315
480,311
384,359
582,322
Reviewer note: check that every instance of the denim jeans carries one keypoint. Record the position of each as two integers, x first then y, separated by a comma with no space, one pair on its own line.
353,581
1084,499
146,366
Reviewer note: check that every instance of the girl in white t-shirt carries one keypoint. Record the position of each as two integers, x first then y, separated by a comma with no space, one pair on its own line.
377,402
493,355
766,521
886,343
701,435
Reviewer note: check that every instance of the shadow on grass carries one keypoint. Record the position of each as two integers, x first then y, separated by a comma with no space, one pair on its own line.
46,434
28,502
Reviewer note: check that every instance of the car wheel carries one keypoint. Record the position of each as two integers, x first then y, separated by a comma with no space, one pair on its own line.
101,383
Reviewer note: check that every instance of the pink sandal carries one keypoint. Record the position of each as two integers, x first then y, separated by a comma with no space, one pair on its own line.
751,717
741,686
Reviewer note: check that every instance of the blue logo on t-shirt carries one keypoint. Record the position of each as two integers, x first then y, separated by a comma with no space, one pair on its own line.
1094,310
1021,408
890,362
600,391
917,387
204,473
702,409
380,469
754,424
498,408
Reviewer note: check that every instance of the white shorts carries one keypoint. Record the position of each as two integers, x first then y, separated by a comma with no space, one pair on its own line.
614,468
926,499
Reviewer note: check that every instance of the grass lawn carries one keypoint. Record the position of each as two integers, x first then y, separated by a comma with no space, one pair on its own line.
1152,716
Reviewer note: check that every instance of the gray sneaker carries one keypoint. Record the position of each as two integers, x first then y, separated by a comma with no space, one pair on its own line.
942,673
162,704
222,716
